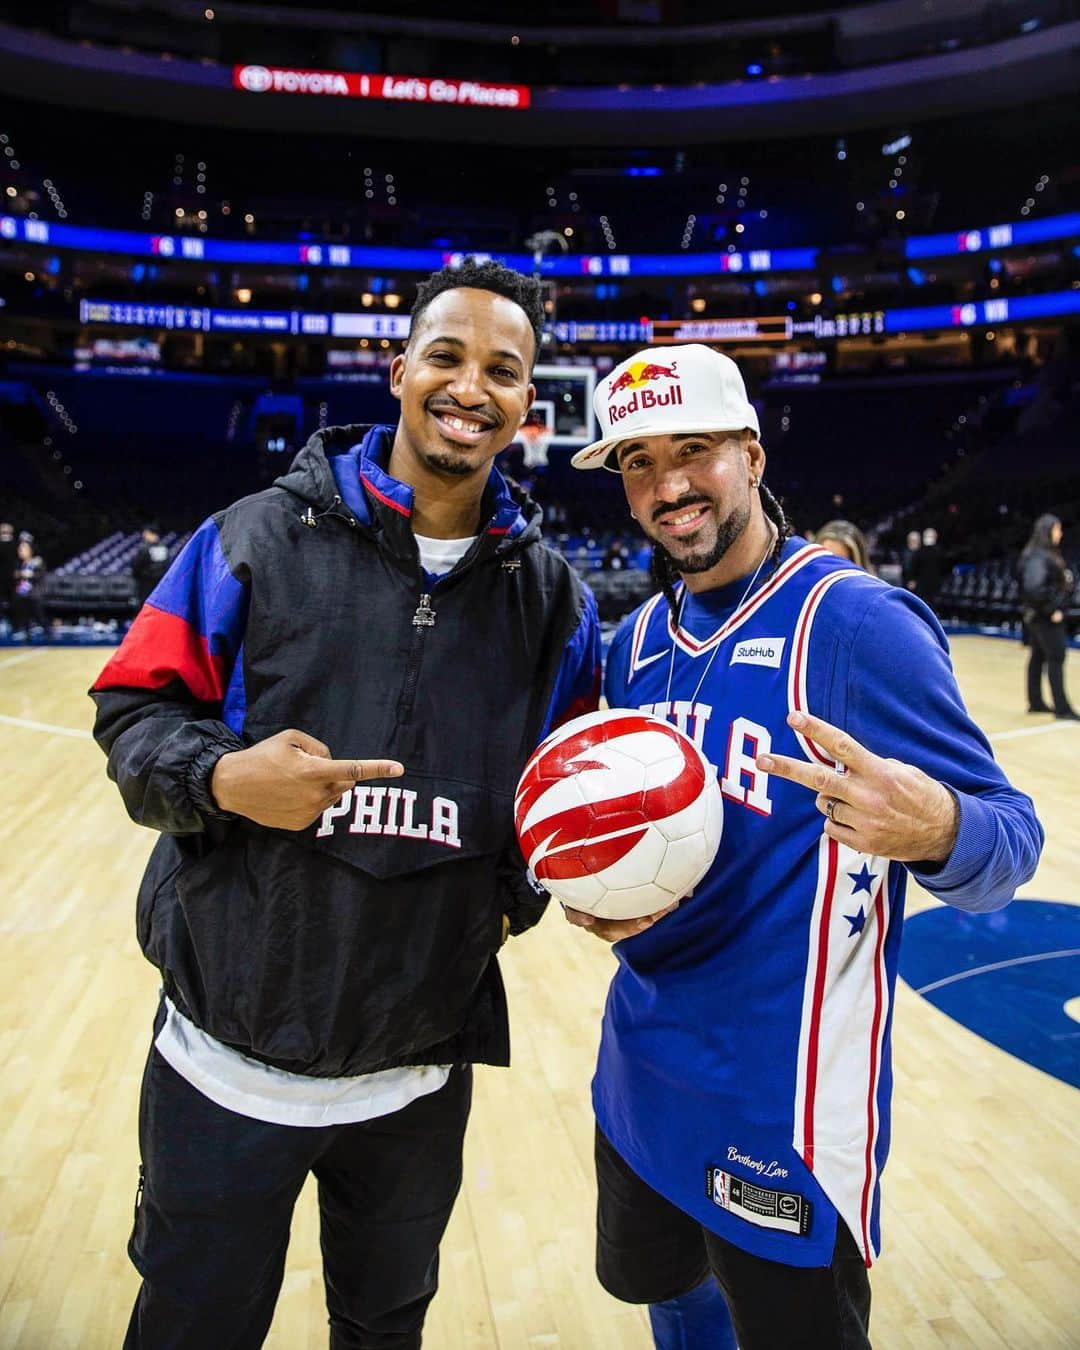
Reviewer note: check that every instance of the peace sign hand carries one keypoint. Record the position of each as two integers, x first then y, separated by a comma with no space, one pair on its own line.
878,806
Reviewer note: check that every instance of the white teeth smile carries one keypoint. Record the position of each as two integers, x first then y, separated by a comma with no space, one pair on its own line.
459,423
687,517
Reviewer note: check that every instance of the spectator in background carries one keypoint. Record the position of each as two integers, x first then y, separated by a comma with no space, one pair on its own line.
617,557
1045,587
150,563
9,557
28,600
927,568
846,541
909,557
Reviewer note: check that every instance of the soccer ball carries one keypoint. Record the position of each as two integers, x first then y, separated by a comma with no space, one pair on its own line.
618,814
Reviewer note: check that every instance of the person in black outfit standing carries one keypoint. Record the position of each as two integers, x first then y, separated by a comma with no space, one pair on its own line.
927,567
909,558
9,558
28,599
1045,586
150,563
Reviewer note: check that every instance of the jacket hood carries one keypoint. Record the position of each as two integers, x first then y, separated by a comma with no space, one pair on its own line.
344,466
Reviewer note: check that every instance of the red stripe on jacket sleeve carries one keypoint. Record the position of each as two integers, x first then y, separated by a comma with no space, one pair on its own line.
584,703
160,648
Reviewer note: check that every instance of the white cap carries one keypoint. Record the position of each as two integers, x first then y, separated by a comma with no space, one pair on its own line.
668,391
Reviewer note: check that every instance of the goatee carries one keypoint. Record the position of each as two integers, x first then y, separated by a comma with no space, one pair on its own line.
447,463
727,532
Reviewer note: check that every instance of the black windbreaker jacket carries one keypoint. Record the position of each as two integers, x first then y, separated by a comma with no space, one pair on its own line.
369,939
1045,585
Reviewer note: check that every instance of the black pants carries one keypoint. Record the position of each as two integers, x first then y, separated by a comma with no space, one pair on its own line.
217,1192
650,1251
1048,644
27,611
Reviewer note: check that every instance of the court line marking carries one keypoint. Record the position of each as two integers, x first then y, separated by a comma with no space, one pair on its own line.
1056,725
22,656
29,725
997,965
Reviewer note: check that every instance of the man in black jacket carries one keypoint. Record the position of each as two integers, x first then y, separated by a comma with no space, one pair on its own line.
324,710
927,567
149,564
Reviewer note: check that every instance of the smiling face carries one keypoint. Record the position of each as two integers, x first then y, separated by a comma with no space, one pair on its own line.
463,384
692,494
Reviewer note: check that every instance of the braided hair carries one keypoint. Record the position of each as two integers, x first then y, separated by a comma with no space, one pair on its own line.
775,512
664,573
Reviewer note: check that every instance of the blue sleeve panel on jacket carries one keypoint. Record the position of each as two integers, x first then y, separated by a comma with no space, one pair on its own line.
191,627
577,683
891,686
200,589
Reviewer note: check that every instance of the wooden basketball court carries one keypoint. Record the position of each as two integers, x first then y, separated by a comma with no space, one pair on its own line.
982,1191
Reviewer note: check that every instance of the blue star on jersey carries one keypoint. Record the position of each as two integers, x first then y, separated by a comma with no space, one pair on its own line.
857,921
863,880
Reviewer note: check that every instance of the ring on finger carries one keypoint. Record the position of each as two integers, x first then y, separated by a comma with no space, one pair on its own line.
830,809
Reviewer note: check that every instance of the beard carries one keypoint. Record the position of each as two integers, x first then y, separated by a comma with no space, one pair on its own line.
704,559
445,461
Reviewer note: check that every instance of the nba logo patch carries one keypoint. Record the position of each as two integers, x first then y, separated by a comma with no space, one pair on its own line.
719,1187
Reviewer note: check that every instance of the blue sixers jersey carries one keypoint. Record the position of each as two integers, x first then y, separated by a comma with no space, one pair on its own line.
744,1068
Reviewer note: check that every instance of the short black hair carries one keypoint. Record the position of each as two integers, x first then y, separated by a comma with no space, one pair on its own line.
486,276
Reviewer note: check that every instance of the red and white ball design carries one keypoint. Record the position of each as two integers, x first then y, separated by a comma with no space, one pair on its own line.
618,814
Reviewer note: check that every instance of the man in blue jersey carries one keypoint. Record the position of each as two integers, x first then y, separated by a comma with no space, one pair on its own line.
323,708
743,1082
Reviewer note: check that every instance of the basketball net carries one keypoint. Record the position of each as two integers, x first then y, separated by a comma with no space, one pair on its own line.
535,441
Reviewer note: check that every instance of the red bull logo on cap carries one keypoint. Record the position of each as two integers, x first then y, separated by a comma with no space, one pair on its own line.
637,378
640,373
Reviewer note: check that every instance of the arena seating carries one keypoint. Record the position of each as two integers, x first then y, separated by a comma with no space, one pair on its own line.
98,581
987,595
113,556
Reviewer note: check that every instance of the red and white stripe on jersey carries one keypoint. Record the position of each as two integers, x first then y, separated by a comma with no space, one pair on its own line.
779,577
841,1035
641,626
798,659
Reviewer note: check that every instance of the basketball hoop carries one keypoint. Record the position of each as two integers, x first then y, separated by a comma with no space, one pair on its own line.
535,439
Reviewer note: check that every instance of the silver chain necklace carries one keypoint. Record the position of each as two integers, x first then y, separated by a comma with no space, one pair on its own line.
712,658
